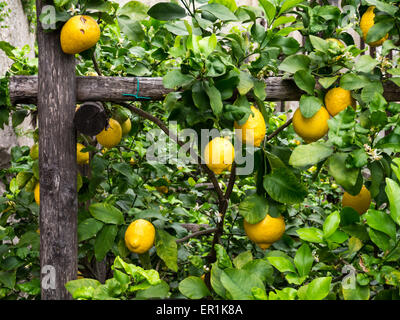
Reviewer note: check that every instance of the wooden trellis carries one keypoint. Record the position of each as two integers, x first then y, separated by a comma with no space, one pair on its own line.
56,90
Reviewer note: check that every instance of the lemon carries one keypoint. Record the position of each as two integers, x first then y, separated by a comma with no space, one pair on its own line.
219,154
37,194
31,184
311,129
162,189
78,34
126,127
34,151
110,136
366,23
81,157
360,202
91,74
139,237
132,161
338,99
253,130
22,179
265,232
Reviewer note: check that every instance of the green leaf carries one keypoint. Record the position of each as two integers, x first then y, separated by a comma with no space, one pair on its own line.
305,81
366,64
303,260
309,105
208,44
8,279
310,154
137,273
357,293
393,192
74,286
104,241
220,11
347,178
230,4
194,288
348,216
215,280
243,258
289,4
319,288
326,82
269,9
239,283
381,221
380,239
132,29
351,81
167,249
319,44
337,237
106,213
165,11
383,6
283,186
245,83
311,234
223,260
134,10
379,30
88,228
175,79
254,208
158,291
331,224
282,264
261,268
295,63
215,99
283,20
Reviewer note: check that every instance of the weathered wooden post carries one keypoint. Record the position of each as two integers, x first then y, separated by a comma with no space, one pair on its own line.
57,164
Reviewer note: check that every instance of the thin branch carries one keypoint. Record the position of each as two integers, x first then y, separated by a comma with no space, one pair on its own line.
96,65
281,128
197,234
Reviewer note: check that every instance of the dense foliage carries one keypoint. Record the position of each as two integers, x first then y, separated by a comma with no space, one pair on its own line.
216,55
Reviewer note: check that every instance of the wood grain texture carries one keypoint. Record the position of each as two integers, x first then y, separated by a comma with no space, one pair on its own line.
23,89
57,162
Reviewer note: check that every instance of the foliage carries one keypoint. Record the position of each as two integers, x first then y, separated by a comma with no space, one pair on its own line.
215,56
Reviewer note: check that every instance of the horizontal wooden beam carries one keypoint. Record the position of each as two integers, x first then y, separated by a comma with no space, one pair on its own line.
23,89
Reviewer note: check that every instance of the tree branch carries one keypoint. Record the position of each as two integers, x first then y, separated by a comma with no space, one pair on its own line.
197,234
281,128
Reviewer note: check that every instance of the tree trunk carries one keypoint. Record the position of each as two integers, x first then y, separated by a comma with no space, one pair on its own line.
57,164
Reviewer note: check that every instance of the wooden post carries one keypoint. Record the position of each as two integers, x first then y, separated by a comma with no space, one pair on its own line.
57,164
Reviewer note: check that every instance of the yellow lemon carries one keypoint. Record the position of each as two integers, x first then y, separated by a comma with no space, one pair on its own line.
311,129
265,232
132,161
110,136
338,99
91,74
219,154
139,237
366,23
253,130
126,127
78,34
37,194
81,157
360,202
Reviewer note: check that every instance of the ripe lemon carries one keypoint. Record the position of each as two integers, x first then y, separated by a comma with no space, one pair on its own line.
265,232
139,237
253,130
366,23
311,129
81,157
78,34
34,151
126,127
219,154
338,99
37,194
360,202
110,136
